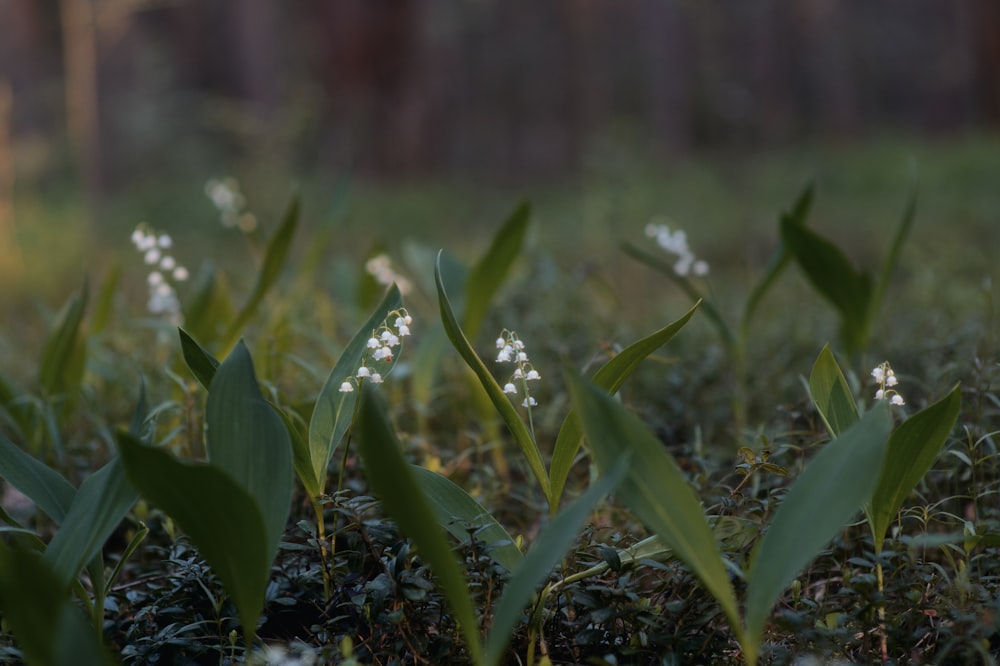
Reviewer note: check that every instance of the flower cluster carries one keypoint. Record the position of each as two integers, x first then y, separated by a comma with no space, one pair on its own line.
676,244
512,351
886,380
380,349
226,196
380,268
155,249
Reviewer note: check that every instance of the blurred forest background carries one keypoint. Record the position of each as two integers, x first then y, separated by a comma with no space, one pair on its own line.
105,99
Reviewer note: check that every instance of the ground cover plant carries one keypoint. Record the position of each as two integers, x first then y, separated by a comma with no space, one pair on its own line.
424,466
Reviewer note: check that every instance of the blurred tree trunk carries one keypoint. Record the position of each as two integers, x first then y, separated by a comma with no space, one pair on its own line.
82,120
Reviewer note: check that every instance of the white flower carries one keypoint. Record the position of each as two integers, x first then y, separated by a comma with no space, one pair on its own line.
500,343
879,394
347,387
878,373
374,343
376,378
897,400
886,380
518,374
155,278
364,372
522,357
180,274
165,241
532,375
509,388
700,268
529,402
152,256
168,263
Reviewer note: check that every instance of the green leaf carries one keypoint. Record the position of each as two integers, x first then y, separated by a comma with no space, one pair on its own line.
833,276
221,518
459,513
913,447
825,496
499,399
100,504
655,489
551,546
491,269
299,435
49,629
334,410
202,364
64,355
105,301
43,485
831,394
274,260
781,258
394,484
610,377
248,440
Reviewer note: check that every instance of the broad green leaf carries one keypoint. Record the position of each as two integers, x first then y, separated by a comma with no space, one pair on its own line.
221,518
610,377
274,260
780,259
248,440
430,350
833,276
499,399
831,394
334,409
100,504
299,435
491,269
105,300
824,498
394,484
550,547
64,355
49,628
655,489
202,364
666,268
913,447
459,513
43,485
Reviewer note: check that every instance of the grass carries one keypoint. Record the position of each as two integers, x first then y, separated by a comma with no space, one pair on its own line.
573,297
